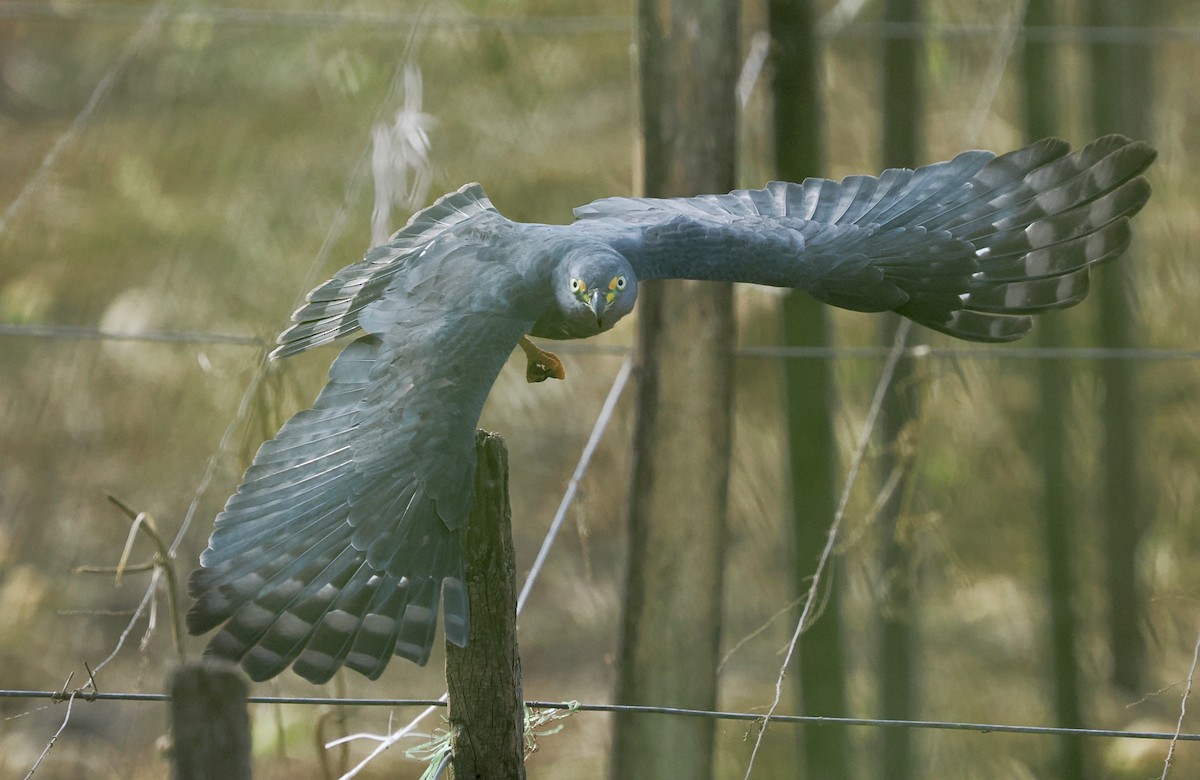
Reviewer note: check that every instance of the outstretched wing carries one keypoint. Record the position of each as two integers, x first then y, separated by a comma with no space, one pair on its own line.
969,247
347,529
331,310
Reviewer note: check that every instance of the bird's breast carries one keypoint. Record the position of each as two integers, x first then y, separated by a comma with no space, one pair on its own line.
554,325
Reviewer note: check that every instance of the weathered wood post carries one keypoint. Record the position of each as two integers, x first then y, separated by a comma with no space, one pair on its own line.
210,727
487,717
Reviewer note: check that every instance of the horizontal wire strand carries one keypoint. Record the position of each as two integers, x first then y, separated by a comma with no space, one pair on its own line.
579,24
644,710
999,352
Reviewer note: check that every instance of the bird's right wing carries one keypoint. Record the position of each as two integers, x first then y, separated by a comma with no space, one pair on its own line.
347,529
971,246
331,310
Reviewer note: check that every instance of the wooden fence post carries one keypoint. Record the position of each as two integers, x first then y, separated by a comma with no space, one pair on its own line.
486,709
210,727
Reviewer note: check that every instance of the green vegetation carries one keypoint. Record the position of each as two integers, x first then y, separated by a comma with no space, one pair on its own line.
197,198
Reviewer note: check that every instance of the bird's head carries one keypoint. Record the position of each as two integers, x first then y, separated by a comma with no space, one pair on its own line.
594,288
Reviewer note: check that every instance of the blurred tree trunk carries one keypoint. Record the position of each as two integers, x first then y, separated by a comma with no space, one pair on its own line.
799,153
1040,76
903,104
1121,99
672,618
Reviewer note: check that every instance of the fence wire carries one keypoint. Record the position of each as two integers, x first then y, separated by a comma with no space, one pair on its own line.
52,332
945,725
392,21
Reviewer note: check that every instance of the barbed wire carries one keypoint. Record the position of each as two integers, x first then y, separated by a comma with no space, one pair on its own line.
639,709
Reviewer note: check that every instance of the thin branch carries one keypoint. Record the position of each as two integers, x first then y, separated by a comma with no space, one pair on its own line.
53,739
134,567
163,559
1001,56
1187,691
994,77
388,740
785,609
146,32
885,381
133,619
585,459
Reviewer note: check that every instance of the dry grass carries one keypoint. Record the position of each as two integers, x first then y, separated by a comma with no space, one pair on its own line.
197,199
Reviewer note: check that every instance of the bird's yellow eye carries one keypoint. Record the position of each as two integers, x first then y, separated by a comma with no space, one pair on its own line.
577,285
618,283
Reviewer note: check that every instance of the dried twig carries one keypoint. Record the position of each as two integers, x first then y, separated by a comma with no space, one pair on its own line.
1191,678
163,561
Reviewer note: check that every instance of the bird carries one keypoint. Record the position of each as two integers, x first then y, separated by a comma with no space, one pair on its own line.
345,538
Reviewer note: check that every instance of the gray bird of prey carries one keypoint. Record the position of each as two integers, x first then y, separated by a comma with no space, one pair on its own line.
346,533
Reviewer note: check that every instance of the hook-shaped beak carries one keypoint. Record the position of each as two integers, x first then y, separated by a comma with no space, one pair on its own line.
598,303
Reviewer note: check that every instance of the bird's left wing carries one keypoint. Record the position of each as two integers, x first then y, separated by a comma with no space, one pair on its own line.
347,529
971,246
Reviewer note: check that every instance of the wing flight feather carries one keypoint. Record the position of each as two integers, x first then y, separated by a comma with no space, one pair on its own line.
967,246
345,537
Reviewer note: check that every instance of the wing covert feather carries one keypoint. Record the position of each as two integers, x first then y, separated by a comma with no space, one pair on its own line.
331,310
979,233
345,535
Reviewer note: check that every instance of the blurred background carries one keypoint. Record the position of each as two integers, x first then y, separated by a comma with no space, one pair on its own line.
175,177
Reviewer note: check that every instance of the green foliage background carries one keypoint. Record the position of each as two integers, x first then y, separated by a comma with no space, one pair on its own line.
197,198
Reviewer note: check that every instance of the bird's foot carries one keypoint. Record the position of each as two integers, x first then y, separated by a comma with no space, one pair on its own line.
542,365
